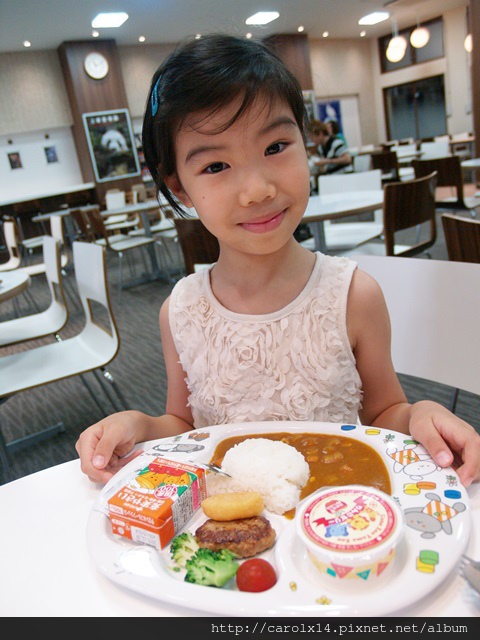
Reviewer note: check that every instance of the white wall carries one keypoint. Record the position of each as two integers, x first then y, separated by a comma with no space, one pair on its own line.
38,176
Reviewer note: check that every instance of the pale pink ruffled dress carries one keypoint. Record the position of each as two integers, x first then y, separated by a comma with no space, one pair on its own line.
293,364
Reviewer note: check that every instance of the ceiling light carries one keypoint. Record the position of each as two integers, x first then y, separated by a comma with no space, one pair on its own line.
325,34
363,34
109,20
27,43
198,36
301,28
396,49
262,17
141,39
374,18
419,37
468,43
95,34
248,35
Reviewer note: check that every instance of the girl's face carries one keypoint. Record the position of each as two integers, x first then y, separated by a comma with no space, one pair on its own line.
250,183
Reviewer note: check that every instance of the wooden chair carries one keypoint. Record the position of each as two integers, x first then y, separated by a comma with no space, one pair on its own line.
387,162
407,206
462,237
434,318
198,245
449,174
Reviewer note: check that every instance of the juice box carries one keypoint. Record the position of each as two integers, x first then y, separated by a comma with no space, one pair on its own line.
154,504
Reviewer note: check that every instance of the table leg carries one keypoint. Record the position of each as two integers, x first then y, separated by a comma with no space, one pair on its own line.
318,232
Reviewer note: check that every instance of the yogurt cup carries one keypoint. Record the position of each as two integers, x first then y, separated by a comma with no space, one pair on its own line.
350,532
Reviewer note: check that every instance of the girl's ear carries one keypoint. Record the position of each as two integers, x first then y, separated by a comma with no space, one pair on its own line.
175,186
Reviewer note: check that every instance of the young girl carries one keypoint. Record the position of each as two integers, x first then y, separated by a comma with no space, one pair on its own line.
271,331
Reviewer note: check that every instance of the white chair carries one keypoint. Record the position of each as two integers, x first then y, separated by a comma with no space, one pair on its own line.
434,318
405,154
362,162
11,242
436,149
52,319
346,235
91,350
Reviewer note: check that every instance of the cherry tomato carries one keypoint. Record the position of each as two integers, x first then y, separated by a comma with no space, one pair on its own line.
255,574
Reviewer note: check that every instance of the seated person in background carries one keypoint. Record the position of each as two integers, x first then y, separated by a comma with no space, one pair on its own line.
334,154
334,129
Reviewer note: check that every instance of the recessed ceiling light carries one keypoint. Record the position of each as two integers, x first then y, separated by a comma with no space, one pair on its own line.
363,34
325,34
300,29
109,20
374,18
262,17
198,36
27,43
248,35
95,34
141,39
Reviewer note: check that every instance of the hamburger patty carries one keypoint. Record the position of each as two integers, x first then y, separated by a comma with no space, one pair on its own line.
244,538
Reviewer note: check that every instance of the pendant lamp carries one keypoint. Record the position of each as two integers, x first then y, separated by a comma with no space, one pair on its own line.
419,37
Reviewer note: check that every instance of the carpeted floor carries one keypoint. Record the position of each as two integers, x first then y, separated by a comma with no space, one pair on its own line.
138,369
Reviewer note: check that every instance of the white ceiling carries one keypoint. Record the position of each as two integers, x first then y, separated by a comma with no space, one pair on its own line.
48,23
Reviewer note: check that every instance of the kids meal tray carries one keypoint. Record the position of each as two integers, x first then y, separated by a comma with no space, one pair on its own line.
429,503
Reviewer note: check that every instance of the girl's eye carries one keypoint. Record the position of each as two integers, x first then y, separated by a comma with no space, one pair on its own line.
216,167
277,147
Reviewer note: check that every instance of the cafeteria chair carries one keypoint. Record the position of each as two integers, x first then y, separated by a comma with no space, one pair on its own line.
434,318
407,207
462,238
435,149
199,247
54,317
341,235
387,162
449,174
9,230
118,243
89,351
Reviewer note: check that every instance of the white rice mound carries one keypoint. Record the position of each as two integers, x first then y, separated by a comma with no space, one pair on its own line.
273,468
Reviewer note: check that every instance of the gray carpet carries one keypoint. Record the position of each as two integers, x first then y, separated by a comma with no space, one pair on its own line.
138,369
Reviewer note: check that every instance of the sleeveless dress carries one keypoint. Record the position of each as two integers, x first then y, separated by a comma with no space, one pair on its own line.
293,364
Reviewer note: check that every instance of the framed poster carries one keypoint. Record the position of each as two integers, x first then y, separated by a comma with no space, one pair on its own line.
309,102
112,144
15,160
51,154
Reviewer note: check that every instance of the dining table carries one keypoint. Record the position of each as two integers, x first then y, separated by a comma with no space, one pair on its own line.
47,569
12,283
338,205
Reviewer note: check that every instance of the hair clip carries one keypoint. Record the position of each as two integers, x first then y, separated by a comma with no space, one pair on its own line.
154,98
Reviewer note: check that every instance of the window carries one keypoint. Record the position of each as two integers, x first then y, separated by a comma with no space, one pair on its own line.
433,49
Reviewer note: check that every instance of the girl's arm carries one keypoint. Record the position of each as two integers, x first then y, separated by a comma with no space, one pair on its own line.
384,405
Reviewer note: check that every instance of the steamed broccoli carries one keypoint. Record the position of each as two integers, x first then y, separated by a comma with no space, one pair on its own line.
211,568
183,547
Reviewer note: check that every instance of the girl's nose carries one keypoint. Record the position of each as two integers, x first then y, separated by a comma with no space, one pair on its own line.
256,187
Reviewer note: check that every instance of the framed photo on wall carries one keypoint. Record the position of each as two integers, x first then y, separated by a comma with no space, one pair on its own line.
15,160
51,154
112,144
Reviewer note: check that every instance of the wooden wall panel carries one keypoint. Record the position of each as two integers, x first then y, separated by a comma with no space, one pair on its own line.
474,17
294,50
88,95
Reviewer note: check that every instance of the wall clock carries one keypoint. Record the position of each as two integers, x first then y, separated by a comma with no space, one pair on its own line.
96,65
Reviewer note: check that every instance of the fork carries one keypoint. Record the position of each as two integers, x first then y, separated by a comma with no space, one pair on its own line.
210,467
470,570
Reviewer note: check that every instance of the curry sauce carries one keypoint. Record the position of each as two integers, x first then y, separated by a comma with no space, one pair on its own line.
333,460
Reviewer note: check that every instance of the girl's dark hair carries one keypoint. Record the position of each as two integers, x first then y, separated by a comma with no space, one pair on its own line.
207,74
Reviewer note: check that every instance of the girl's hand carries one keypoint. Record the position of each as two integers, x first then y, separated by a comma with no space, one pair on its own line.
104,446
448,439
